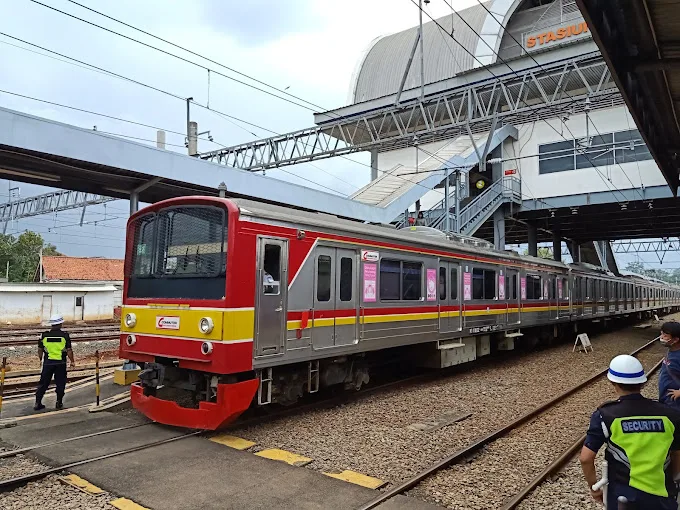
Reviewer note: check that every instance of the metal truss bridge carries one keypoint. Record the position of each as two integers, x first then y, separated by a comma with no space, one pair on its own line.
550,91
48,203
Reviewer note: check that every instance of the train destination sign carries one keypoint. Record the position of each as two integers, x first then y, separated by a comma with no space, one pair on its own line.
543,39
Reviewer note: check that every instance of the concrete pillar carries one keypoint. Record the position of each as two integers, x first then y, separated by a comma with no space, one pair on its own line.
374,164
532,239
575,250
193,138
557,246
134,202
499,228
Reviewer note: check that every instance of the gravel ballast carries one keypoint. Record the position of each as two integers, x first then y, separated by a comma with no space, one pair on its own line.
46,493
371,435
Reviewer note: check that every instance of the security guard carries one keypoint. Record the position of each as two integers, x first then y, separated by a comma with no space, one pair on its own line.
669,378
643,443
53,347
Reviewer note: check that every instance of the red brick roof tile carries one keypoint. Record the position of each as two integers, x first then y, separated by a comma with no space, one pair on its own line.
82,268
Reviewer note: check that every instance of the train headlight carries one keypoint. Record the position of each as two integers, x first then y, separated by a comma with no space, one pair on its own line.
206,348
206,325
130,340
130,320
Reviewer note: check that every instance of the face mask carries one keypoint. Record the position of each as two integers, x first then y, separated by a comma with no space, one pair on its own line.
666,343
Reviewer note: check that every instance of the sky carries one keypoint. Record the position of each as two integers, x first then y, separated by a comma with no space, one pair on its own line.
308,47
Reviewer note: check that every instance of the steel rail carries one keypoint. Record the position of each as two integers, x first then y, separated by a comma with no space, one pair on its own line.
106,336
483,441
12,453
19,481
556,465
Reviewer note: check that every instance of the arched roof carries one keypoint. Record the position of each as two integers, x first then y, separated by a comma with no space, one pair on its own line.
381,68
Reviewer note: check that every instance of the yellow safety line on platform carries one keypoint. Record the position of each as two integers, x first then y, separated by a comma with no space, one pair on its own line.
81,484
357,479
126,504
284,456
232,441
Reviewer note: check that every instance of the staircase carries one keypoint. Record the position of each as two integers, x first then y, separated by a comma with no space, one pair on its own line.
474,214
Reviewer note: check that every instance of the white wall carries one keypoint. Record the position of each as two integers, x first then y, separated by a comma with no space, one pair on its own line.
585,180
26,307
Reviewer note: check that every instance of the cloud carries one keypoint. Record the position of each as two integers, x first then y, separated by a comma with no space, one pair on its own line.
256,22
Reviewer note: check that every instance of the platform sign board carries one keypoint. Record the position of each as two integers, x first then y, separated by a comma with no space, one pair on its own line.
523,288
583,343
370,282
467,286
432,285
501,286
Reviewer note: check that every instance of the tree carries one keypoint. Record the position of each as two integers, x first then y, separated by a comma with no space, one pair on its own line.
543,252
23,255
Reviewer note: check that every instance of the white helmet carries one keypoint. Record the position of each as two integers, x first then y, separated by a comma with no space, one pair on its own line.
626,369
55,320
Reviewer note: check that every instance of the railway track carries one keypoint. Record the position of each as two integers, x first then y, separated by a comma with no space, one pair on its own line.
26,382
475,446
557,464
90,334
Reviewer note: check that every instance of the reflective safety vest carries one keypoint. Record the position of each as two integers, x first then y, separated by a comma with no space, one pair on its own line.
639,435
54,346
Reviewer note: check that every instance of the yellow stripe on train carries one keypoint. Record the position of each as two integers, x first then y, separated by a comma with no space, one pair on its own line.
180,321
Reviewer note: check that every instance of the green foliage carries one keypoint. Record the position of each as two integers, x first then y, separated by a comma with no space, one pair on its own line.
23,255
660,274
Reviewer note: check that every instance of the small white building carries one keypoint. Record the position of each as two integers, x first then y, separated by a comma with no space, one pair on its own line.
34,303
78,270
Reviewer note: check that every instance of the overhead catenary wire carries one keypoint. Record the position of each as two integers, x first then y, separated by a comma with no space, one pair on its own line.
497,78
170,54
226,116
166,41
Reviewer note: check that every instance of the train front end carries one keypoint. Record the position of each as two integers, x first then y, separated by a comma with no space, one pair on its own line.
178,322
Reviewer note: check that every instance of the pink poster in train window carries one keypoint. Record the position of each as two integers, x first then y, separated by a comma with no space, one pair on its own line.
467,286
501,286
545,289
523,288
559,288
432,285
370,282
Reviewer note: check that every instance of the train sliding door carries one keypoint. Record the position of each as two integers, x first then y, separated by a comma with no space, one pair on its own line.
335,300
449,298
512,296
271,292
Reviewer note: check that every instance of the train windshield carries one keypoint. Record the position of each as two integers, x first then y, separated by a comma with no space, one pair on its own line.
178,252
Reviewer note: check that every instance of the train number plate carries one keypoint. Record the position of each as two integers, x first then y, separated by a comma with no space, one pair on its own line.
166,322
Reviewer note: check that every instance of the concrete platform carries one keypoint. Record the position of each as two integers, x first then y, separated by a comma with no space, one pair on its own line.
189,473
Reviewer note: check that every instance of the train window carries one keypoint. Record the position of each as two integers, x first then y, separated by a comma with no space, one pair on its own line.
411,281
442,284
552,291
272,269
534,287
400,280
390,280
565,288
454,283
483,284
323,278
511,287
346,279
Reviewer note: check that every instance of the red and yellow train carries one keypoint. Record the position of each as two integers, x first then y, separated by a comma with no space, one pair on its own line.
231,303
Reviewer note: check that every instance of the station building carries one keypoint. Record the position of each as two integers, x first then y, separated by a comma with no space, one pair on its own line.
518,111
